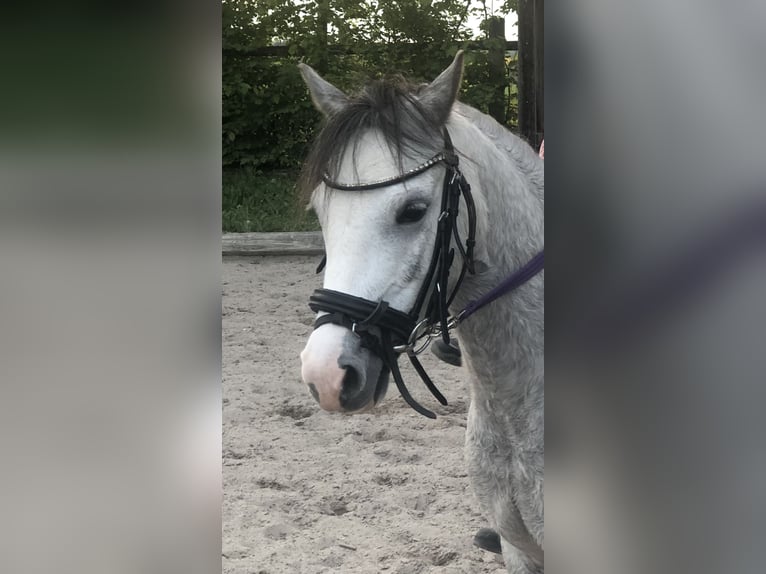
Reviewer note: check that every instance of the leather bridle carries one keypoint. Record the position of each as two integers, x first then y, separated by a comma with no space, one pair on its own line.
390,332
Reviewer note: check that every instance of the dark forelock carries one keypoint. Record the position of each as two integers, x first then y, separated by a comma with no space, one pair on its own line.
391,108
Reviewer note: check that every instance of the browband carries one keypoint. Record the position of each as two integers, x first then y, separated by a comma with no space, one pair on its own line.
439,157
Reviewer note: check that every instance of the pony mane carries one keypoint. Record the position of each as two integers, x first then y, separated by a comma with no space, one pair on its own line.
511,145
390,107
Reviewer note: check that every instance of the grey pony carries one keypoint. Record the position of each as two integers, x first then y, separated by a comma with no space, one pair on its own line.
503,344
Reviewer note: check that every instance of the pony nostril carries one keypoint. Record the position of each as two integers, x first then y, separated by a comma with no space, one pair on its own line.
314,392
352,384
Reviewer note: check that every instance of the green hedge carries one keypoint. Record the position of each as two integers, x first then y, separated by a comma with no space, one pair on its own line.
268,118
254,201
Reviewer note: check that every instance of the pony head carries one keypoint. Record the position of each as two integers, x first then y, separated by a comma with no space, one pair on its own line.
378,241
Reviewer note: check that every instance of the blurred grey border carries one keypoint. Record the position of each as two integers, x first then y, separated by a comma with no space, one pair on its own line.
655,279
110,176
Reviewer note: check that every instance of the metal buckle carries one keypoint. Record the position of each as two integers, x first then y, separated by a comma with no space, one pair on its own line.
359,333
455,320
427,331
421,330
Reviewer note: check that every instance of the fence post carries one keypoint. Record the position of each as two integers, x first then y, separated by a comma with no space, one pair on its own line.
496,63
531,70
540,71
323,21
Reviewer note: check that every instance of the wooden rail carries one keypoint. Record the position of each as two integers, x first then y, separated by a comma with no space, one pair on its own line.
283,51
280,243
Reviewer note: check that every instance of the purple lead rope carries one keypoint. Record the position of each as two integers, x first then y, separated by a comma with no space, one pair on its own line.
513,281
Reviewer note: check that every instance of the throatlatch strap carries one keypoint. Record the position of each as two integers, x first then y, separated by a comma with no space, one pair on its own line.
322,264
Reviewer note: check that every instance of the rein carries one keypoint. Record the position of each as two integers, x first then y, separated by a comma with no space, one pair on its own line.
389,332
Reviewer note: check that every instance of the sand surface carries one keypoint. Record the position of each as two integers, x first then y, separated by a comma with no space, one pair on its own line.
306,491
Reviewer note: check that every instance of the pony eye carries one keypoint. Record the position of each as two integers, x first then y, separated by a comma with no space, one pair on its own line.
412,212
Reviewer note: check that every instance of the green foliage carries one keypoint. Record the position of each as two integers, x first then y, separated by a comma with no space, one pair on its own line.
267,114
268,119
254,201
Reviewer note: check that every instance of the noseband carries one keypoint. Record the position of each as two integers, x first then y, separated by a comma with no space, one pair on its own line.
389,332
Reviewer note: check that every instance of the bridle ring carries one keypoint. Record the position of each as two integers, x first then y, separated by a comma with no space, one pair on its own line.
424,329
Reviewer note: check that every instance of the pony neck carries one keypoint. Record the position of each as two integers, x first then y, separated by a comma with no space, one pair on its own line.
509,195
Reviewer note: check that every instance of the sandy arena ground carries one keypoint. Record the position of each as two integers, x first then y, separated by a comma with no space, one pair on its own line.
309,492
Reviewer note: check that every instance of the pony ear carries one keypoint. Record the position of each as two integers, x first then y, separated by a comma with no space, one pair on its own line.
327,98
439,95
